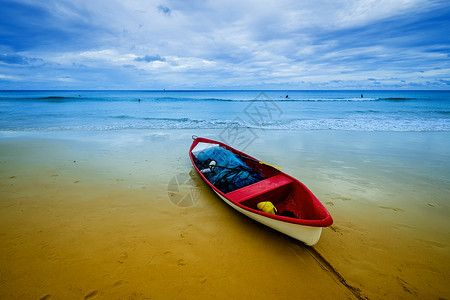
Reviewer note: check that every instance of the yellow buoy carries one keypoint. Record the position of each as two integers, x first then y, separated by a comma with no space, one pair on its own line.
267,206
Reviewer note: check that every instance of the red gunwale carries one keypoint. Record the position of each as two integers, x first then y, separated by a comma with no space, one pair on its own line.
323,222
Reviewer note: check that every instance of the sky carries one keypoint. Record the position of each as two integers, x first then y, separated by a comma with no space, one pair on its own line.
224,44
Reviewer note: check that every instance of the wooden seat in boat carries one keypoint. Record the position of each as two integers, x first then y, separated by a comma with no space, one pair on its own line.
258,188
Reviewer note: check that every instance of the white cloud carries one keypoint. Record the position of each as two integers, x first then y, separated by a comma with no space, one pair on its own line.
10,77
359,13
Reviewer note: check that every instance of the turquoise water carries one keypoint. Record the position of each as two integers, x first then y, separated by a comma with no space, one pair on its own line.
268,110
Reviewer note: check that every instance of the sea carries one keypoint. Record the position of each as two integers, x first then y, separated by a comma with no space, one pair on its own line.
350,110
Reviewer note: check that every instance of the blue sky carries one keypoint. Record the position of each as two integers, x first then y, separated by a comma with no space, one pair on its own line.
224,44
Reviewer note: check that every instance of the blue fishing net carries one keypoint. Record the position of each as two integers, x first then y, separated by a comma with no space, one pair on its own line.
229,173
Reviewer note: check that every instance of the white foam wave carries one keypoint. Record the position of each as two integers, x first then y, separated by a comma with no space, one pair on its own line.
315,124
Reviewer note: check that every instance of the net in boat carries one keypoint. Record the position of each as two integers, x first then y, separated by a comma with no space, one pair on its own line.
225,170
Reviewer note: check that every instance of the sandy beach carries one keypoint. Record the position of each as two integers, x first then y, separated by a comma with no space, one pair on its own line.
87,215
99,101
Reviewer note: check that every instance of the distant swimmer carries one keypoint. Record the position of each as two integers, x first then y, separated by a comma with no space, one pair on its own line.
362,96
287,96
139,100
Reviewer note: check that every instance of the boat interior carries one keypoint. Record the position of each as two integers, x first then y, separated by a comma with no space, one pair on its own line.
290,197
281,190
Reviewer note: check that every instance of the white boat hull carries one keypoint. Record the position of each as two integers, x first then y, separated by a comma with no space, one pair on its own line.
309,235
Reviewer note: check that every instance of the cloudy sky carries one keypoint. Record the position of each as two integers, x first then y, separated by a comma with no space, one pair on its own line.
224,44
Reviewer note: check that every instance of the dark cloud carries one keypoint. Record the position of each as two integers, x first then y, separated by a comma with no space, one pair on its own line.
427,29
150,58
34,25
15,59
444,82
164,10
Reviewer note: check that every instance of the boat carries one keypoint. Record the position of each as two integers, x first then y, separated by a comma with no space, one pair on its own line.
291,207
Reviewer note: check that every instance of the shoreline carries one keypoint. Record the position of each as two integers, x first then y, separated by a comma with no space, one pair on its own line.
97,204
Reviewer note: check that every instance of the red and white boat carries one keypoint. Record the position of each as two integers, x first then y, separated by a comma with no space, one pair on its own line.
307,216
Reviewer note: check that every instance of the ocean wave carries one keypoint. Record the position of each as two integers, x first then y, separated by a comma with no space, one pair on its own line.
441,112
58,99
238,123
396,99
265,100
42,99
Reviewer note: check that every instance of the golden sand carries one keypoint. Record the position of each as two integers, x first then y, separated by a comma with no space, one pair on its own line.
95,218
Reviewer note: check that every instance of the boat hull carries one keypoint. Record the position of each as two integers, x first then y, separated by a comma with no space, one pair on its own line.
307,234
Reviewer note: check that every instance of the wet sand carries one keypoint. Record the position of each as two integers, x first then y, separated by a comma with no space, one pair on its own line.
121,215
